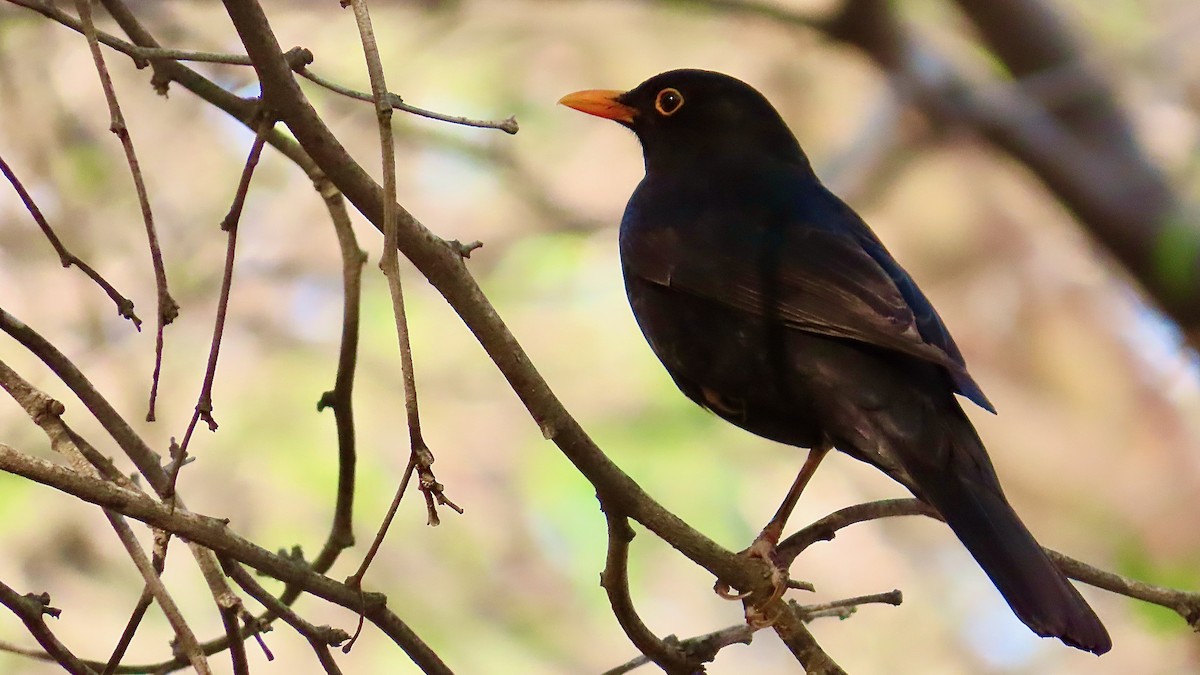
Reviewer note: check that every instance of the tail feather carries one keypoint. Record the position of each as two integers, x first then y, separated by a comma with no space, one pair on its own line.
975,508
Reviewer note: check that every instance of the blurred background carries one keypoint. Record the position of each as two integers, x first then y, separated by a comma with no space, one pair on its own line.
1097,441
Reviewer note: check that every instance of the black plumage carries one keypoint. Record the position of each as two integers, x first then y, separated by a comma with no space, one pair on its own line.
771,303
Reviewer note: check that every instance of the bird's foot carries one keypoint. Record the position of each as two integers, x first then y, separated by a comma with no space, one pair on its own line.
763,548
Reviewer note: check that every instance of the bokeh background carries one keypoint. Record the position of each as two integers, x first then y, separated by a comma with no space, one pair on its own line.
1097,441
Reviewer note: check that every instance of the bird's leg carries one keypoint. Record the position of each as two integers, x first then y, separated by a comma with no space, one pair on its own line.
771,534
764,545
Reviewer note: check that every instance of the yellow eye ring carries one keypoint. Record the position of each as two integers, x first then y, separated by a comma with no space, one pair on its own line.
668,102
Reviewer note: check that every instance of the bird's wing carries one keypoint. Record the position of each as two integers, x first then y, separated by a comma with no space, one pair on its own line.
814,280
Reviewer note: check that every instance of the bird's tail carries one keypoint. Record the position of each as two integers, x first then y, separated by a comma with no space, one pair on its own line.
975,508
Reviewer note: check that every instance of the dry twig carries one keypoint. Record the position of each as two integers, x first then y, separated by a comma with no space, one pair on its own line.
167,307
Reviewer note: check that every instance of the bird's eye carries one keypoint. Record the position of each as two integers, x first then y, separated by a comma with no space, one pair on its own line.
668,102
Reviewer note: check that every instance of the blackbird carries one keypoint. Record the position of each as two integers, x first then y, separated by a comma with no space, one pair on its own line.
773,305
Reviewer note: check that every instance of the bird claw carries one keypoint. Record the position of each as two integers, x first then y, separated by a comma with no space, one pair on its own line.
763,548
726,592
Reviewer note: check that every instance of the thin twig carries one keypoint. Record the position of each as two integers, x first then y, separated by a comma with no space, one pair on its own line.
845,607
168,309
341,398
149,53
702,648
330,637
158,563
355,580
419,456
389,264
204,403
508,125
140,54
124,304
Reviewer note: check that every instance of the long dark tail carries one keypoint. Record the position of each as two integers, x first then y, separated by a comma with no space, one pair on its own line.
964,489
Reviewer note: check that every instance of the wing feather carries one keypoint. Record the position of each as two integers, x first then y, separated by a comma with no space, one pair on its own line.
807,279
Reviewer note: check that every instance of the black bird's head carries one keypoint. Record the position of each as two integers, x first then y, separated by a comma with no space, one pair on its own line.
684,117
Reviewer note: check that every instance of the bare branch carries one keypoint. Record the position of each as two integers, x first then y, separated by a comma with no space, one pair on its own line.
508,125
204,404
215,535
124,304
30,609
46,413
340,398
1184,603
185,638
158,563
168,309
321,638
615,580
842,609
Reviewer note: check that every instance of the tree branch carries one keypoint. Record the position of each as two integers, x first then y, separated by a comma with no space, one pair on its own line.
168,309
214,534
124,304
30,608
508,125
615,580
46,413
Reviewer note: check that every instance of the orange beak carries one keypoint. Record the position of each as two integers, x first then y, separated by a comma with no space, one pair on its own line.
601,103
